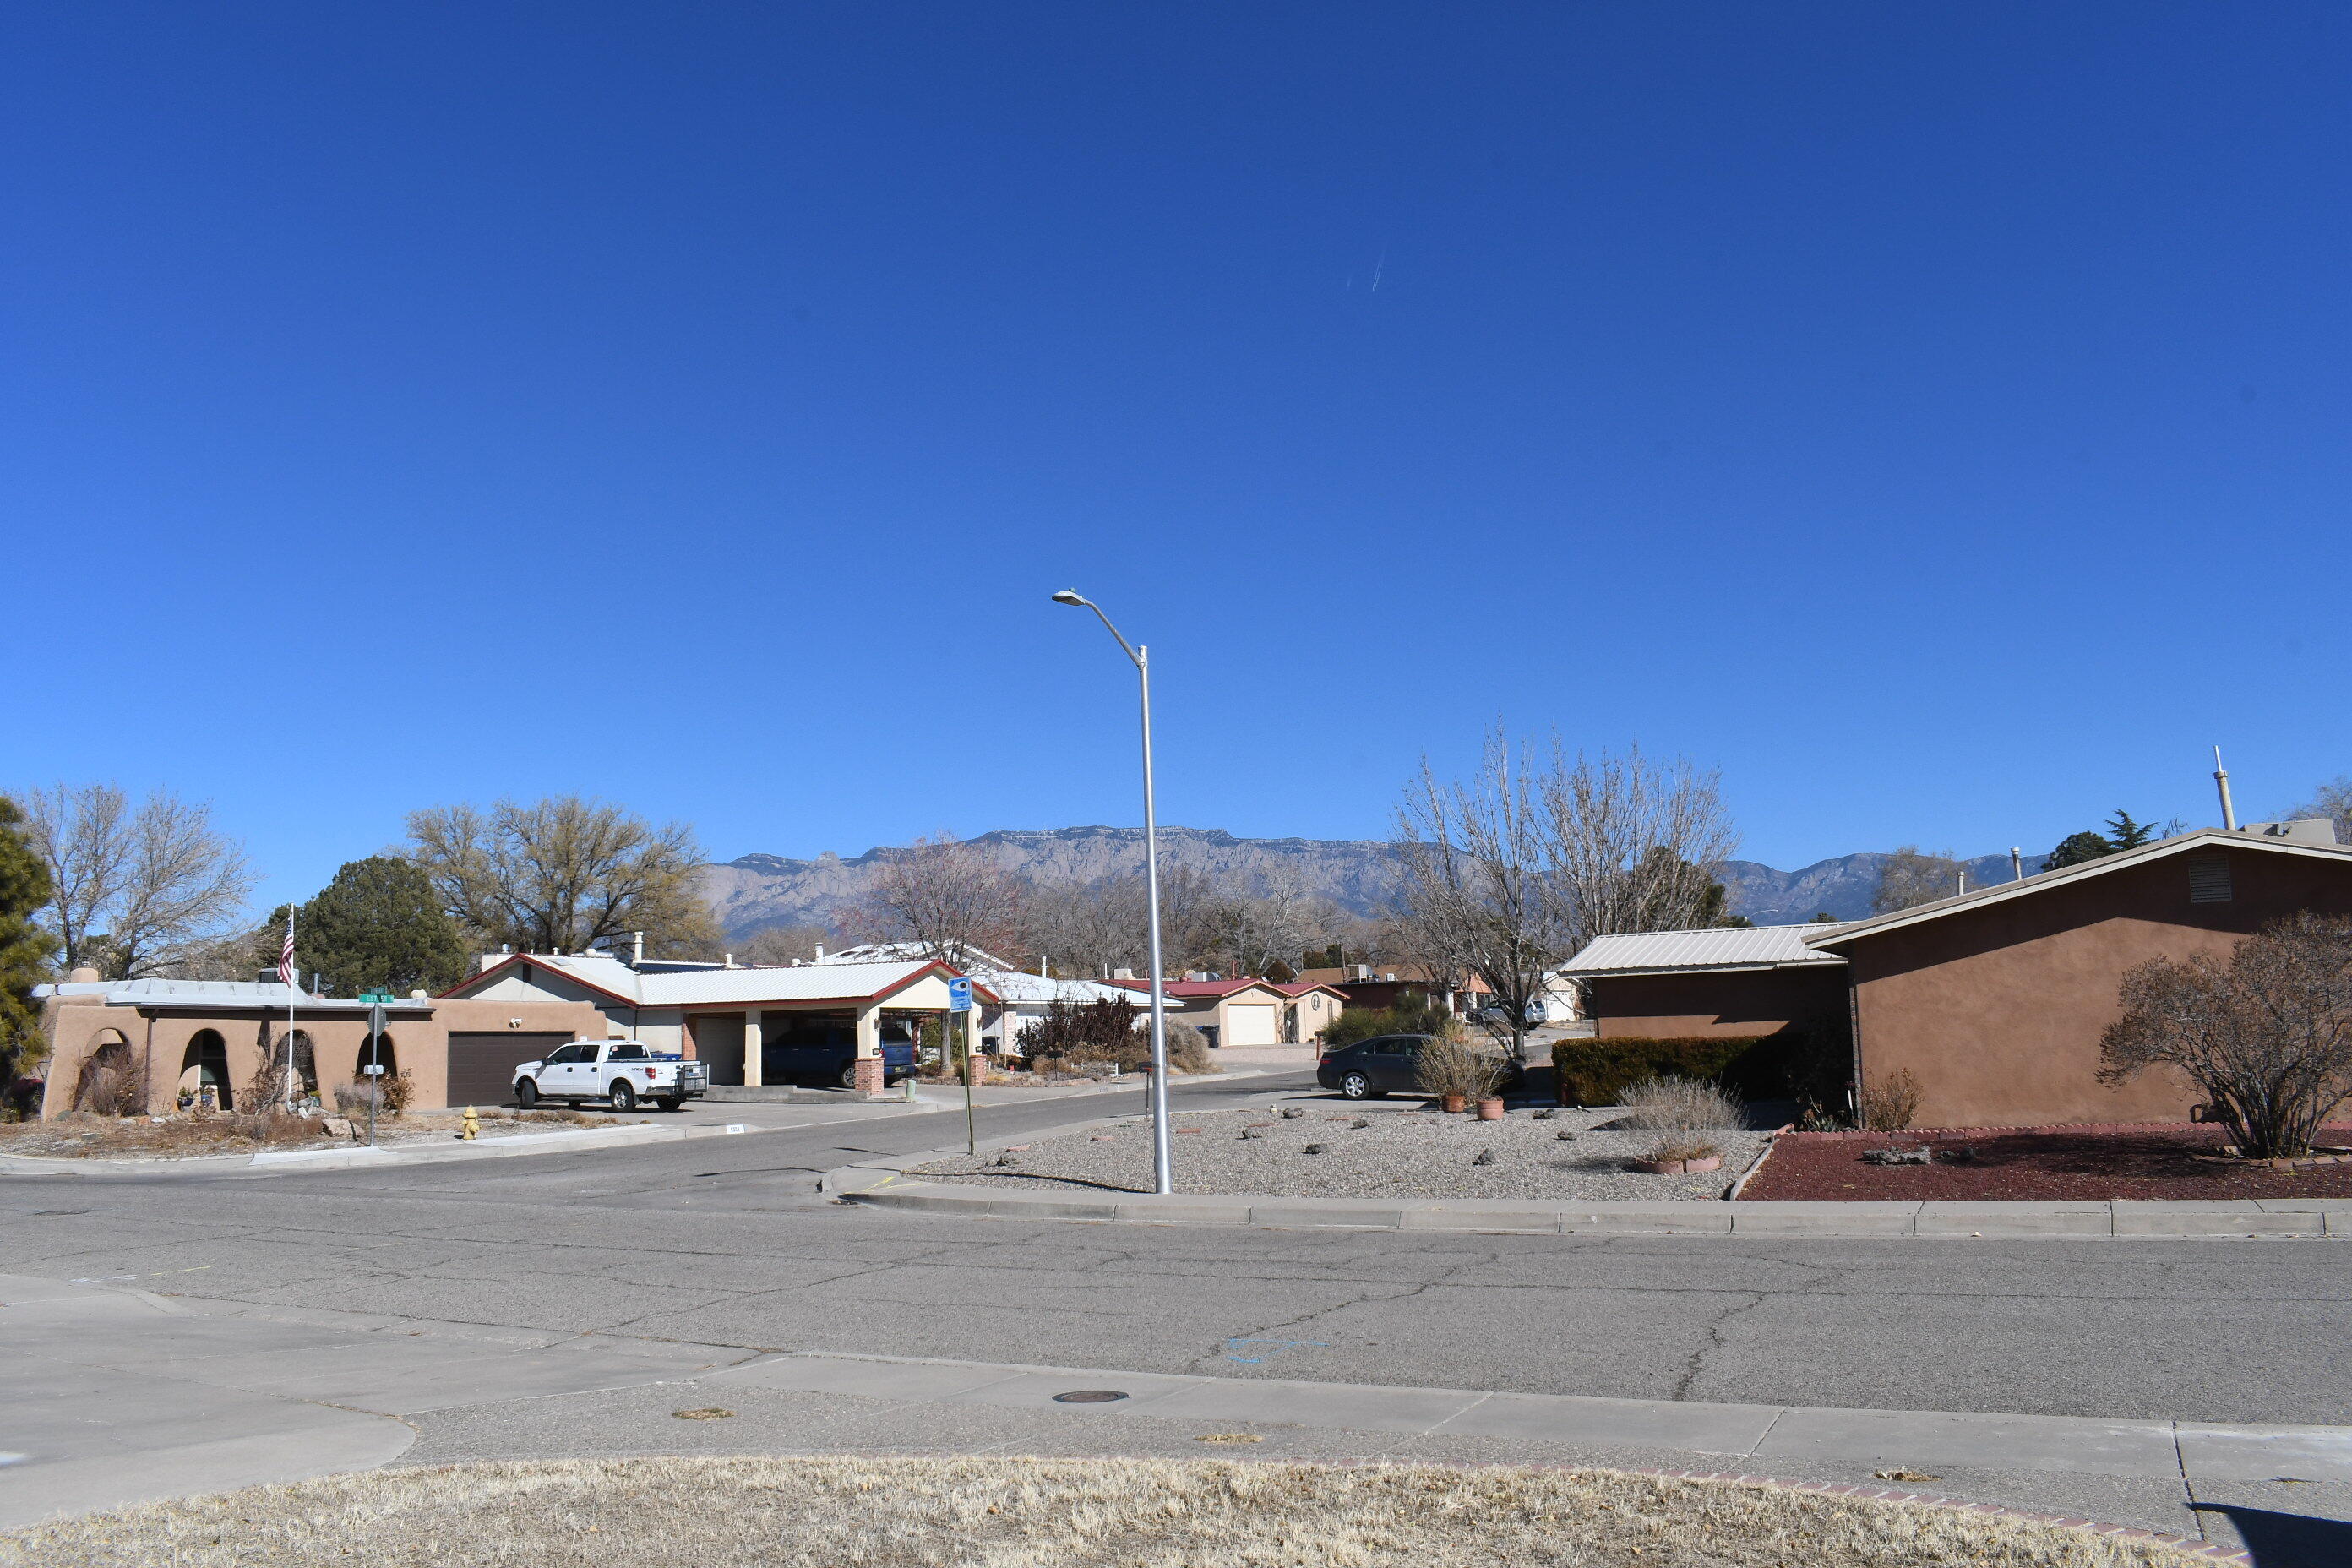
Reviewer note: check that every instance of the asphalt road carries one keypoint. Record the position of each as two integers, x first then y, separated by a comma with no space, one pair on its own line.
724,1241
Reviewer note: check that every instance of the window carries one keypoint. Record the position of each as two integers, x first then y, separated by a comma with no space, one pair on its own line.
626,1051
562,1054
2209,879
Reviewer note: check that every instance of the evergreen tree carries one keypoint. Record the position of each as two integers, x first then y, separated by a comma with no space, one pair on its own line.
378,926
2123,833
2075,848
24,947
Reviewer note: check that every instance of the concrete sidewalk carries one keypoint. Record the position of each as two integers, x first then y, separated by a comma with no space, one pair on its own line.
112,1396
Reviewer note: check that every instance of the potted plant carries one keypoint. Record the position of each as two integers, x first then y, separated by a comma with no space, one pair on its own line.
1680,1154
1453,1075
1490,1109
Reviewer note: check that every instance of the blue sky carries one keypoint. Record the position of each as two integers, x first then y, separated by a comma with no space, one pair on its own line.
1933,416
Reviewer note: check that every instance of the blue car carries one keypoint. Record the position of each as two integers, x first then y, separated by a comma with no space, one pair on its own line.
822,1052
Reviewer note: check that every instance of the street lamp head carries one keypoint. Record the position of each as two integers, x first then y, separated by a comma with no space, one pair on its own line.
1070,596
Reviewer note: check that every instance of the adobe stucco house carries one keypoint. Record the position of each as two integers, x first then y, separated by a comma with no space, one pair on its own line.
192,1035
721,1015
1992,1001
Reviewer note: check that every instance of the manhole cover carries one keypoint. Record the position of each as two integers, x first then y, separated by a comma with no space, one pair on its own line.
1089,1396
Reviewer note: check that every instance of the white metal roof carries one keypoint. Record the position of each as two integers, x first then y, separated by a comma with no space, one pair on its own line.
1717,947
2202,838
264,993
709,987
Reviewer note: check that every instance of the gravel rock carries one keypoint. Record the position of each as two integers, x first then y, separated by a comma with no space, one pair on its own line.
1401,1154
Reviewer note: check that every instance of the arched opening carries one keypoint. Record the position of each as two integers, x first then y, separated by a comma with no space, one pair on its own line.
110,1083
204,1072
388,1095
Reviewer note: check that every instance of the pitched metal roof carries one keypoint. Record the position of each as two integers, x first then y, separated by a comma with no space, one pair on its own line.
2042,882
720,987
1717,947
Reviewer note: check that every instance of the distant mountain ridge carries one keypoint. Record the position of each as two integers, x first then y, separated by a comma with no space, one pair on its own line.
1360,874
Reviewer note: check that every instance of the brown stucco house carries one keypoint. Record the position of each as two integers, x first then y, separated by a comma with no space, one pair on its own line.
1994,1001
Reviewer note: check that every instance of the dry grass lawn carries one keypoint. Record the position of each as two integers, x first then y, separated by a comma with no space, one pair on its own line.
79,1135
837,1512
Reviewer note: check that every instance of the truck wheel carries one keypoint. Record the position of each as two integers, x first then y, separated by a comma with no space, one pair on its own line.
669,1104
526,1093
849,1076
623,1099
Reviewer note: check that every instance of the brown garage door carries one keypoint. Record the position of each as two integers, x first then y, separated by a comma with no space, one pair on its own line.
481,1067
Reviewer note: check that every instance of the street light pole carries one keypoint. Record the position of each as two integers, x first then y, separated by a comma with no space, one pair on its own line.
1162,1174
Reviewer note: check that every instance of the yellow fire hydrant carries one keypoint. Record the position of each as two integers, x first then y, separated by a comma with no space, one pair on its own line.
473,1124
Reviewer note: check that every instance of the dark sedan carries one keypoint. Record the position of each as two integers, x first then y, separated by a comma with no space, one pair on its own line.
1385,1064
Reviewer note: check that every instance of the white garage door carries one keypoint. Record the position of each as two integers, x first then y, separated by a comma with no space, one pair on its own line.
1249,1024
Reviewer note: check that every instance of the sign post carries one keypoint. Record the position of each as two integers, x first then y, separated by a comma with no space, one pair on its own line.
960,1010
375,1073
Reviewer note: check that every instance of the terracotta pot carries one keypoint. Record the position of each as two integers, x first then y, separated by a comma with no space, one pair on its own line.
1491,1109
1677,1167
1454,1104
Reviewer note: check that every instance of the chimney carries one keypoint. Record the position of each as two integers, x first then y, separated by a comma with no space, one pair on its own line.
87,976
820,953
636,950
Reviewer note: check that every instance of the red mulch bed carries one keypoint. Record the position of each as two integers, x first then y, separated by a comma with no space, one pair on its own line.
2146,1161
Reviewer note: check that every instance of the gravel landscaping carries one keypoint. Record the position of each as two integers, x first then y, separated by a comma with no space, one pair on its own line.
1395,1153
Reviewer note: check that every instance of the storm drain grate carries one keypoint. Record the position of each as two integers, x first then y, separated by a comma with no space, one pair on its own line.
1089,1396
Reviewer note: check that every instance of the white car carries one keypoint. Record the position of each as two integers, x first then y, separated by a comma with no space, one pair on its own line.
618,1072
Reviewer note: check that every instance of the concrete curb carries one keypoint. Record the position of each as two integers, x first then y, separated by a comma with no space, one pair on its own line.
882,1182
269,1161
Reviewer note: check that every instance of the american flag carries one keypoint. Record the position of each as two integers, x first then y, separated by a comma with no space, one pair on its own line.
286,955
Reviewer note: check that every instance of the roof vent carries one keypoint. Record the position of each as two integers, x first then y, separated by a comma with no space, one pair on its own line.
2209,879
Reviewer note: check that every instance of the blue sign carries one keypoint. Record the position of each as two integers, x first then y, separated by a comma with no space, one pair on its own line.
959,996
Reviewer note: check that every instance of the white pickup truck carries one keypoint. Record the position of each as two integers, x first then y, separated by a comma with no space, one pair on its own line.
618,1072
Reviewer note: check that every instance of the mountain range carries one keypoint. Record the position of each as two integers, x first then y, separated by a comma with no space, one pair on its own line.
1360,874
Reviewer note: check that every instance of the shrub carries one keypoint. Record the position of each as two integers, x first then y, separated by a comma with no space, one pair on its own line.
1188,1049
1355,1024
1683,1146
2268,1039
1073,1033
1892,1103
1598,1072
1680,1105
1446,1066
112,1083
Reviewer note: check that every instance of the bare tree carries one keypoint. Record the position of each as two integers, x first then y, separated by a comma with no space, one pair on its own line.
1509,873
2332,799
1911,876
136,890
783,945
2268,1039
944,896
1633,843
1477,893
558,874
